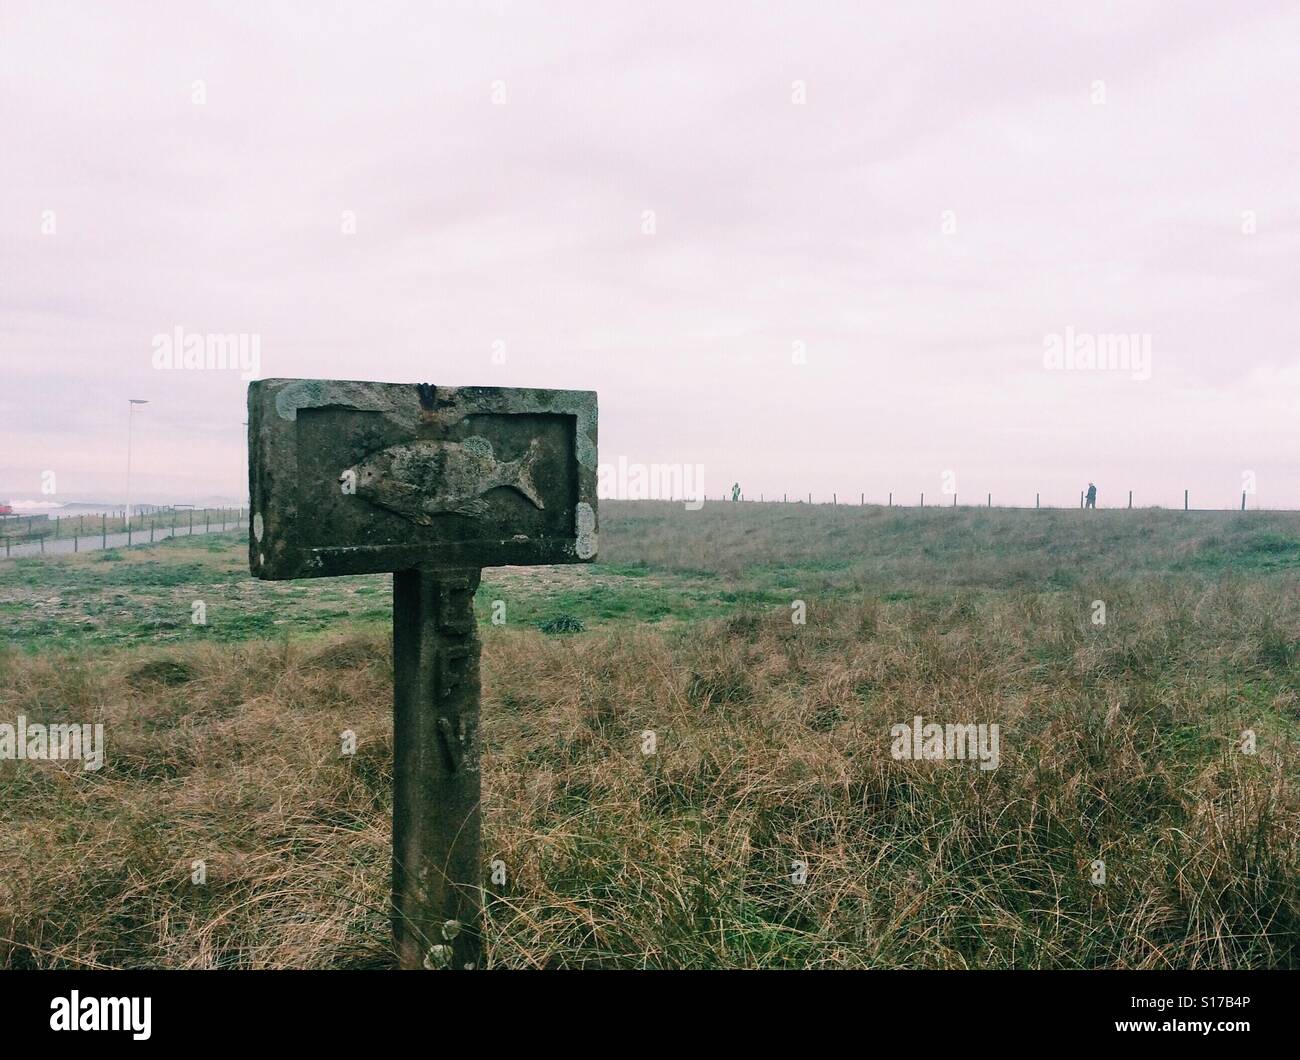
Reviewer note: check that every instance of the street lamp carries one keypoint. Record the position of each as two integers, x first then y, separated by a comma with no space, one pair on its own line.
130,417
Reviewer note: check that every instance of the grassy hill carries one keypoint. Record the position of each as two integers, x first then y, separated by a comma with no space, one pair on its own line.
1120,743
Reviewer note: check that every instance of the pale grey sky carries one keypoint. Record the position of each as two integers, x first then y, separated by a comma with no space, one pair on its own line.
961,182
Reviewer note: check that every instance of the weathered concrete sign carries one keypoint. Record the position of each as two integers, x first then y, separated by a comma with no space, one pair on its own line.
355,478
432,483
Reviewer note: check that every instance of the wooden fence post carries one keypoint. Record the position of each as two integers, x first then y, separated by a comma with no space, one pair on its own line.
1185,500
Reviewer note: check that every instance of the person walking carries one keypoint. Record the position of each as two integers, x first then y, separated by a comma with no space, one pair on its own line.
1092,495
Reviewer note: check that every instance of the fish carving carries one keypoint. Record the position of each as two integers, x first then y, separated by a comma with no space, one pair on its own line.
423,479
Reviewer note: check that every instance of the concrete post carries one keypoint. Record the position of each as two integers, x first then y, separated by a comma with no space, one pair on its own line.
437,891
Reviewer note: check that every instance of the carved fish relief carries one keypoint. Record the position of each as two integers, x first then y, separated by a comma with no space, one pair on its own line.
424,479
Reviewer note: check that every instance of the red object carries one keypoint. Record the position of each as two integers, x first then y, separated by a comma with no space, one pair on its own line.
6,509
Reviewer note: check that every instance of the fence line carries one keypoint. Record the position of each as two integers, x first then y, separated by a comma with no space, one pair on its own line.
1037,505
30,533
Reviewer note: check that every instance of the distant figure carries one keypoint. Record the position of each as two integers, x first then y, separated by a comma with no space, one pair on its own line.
1092,496
735,492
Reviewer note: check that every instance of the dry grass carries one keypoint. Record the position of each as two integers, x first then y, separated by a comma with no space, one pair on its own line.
1118,743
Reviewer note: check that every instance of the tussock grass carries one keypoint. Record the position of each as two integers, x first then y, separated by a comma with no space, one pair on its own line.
1118,743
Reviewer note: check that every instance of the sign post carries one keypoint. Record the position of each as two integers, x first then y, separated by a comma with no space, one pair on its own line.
433,484
436,780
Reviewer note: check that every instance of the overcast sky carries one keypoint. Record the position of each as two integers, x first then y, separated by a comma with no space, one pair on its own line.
912,199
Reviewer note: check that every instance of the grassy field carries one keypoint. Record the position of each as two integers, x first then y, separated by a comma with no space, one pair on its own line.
1119,742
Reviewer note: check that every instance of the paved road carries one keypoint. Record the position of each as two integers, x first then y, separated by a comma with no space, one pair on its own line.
93,542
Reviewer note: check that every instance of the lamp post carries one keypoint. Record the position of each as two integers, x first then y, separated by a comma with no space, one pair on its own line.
130,418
